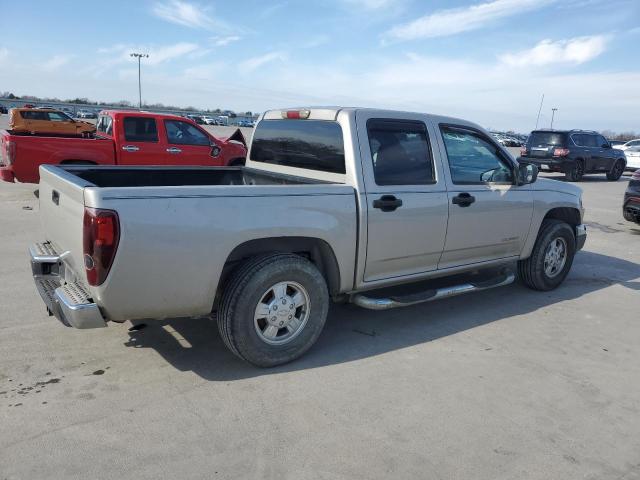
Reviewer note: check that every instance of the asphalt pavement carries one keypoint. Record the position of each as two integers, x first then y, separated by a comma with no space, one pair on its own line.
503,384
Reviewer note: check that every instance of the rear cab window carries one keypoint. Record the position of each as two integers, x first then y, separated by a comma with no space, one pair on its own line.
105,125
140,129
308,144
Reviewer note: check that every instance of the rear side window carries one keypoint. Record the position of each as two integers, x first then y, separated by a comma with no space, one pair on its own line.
311,144
546,139
400,152
34,115
140,129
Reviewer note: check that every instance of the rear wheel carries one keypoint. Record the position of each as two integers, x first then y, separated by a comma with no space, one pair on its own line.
551,258
273,309
577,172
616,171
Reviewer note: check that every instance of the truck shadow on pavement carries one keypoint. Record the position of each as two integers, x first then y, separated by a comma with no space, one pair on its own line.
352,333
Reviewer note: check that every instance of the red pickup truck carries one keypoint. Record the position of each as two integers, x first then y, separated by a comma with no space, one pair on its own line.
122,138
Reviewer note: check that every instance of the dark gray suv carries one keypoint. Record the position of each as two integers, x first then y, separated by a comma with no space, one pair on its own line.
574,153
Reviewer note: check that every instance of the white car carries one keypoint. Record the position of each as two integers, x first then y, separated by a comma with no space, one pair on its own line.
633,158
208,120
629,144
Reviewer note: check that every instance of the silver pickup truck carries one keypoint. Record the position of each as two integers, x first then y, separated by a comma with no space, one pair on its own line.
379,208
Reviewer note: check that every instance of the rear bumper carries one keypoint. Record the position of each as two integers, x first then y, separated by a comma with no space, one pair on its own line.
7,175
547,164
69,302
581,236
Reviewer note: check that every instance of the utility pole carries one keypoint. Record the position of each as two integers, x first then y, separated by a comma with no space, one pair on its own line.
553,114
539,110
139,56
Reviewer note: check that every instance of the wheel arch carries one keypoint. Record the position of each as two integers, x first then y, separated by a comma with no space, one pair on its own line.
318,251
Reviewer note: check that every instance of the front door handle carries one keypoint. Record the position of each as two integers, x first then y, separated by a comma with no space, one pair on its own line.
173,150
130,148
463,199
387,203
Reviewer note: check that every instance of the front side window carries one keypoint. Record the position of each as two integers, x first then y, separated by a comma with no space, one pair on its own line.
58,117
473,158
400,152
602,142
590,140
183,133
140,129
310,144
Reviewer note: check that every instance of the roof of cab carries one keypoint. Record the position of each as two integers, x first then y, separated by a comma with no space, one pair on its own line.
137,113
331,113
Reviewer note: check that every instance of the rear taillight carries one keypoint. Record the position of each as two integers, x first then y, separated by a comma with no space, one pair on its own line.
10,150
100,236
523,151
560,152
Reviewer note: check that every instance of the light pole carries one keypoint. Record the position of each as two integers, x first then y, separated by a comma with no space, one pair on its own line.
553,114
139,56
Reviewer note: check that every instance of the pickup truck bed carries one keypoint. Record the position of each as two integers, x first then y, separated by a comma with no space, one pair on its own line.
210,229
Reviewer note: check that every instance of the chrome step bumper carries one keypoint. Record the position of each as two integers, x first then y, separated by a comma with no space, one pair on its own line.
427,296
69,302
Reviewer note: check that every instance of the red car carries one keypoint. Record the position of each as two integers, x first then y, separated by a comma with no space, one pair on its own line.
122,138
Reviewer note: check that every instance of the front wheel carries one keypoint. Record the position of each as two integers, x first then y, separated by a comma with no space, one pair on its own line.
273,309
551,258
616,171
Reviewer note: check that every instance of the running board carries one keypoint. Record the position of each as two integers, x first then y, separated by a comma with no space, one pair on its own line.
427,296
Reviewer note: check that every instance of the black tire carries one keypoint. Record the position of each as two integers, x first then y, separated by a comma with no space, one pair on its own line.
616,171
577,171
532,270
245,289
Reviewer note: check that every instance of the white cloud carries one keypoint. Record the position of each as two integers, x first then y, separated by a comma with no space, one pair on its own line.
573,51
224,41
256,62
55,62
456,20
184,13
4,53
170,52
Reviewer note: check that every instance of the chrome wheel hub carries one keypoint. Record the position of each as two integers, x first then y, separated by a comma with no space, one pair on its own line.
555,257
281,313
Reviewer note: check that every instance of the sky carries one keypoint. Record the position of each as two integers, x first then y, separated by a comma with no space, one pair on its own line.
487,61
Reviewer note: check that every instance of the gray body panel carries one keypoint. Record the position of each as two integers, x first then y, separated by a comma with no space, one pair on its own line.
175,240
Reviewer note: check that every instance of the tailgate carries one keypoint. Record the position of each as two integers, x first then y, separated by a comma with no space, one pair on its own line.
61,197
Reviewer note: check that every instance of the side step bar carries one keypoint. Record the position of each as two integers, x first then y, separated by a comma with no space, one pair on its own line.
427,296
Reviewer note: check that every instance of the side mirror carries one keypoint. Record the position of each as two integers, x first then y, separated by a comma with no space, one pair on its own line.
527,173
606,145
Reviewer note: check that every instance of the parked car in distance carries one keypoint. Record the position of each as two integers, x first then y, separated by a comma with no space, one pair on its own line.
379,208
616,143
629,144
246,123
86,114
632,155
631,204
122,138
207,120
3,109
197,119
47,121
574,153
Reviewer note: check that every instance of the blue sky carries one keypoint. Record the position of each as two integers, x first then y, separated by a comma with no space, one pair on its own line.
487,61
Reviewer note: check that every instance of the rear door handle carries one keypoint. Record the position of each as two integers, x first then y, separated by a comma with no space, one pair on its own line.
387,203
463,199
174,150
130,148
